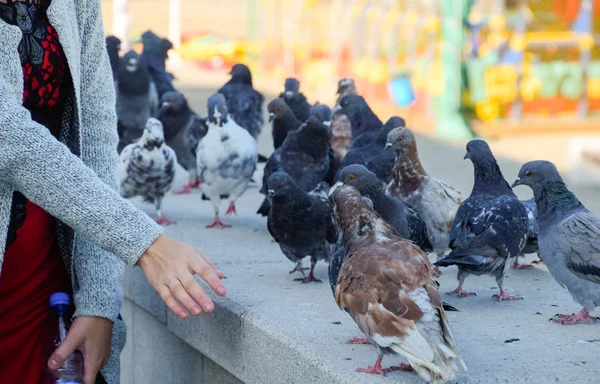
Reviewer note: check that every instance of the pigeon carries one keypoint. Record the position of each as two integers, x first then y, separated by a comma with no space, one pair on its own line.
183,131
226,158
304,156
490,225
155,54
386,284
137,99
295,99
436,201
531,246
341,128
323,113
113,47
360,115
283,120
400,215
243,102
301,222
569,237
147,167
369,150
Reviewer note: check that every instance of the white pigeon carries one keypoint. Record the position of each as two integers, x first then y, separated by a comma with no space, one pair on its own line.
147,167
226,158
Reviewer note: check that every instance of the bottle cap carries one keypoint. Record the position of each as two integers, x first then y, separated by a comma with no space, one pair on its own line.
60,298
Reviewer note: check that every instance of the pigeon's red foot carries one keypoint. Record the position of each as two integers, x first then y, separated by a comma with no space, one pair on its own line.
436,271
377,369
506,296
460,293
231,209
217,223
164,221
539,261
583,315
195,184
516,265
298,268
309,279
358,340
402,367
185,190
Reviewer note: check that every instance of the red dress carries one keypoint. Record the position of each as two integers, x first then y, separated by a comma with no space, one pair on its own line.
33,268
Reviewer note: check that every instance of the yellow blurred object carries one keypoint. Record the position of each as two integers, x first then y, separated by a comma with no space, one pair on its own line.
501,83
497,22
487,110
593,88
518,43
432,24
411,19
530,88
435,79
586,42
378,72
316,73
372,14
474,17
308,4
391,17
360,67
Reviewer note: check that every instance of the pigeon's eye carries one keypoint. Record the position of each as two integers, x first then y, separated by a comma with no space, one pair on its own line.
351,177
468,149
528,173
401,138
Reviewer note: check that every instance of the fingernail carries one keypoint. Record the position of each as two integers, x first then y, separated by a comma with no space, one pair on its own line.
219,271
221,290
208,306
196,310
53,364
183,314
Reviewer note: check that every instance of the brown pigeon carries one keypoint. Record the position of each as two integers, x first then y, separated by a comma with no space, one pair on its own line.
341,128
386,285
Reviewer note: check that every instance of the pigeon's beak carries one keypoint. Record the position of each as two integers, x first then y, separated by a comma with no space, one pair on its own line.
271,116
517,182
466,156
270,193
335,186
327,123
289,93
165,104
388,146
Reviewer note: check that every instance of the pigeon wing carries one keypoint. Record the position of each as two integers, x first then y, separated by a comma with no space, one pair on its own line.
579,240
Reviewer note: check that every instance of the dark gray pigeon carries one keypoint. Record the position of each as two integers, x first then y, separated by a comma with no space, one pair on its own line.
304,155
569,237
295,99
341,128
323,113
137,99
243,102
490,226
532,232
301,222
283,120
362,118
113,47
183,131
400,215
155,54
369,149
435,200
147,167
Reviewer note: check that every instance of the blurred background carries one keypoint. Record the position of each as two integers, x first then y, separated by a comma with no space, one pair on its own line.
523,74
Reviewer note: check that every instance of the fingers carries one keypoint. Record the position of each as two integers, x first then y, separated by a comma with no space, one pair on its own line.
171,302
72,341
202,269
195,290
209,262
182,288
90,369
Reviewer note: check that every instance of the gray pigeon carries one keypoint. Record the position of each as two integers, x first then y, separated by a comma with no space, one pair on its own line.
341,128
113,47
436,201
244,103
301,222
490,226
183,131
137,99
155,55
323,113
147,168
532,232
283,120
295,99
569,237
400,215
226,158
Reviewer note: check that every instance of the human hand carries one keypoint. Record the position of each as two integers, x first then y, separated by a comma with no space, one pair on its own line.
92,337
170,266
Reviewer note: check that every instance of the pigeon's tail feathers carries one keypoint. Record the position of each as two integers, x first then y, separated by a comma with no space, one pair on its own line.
264,208
449,308
466,260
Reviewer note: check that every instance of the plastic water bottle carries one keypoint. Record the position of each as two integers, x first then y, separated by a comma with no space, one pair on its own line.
72,370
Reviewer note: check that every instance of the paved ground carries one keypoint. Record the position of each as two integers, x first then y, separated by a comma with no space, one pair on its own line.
306,315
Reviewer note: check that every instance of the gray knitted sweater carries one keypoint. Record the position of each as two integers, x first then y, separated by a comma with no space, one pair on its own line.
73,178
